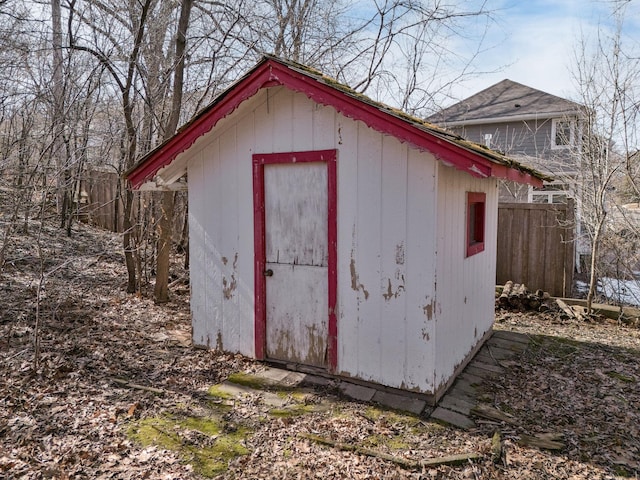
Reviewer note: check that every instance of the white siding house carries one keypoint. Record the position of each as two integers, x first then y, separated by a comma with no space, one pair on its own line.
328,231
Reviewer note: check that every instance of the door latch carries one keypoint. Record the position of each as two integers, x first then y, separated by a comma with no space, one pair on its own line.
268,273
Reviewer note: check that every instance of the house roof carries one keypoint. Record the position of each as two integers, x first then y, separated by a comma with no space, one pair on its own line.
451,149
506,101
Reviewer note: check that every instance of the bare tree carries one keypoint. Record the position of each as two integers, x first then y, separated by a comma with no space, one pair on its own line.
121,63
161,290
607,73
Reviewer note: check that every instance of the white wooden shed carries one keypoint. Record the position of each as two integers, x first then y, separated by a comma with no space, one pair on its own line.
329,231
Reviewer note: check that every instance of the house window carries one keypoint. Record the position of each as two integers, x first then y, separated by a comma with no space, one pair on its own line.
476,202
562,133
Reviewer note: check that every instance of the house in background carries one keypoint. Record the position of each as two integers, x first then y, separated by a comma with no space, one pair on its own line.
330,232
536,128
526,124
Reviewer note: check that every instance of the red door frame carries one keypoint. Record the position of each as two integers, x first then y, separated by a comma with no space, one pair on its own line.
259,161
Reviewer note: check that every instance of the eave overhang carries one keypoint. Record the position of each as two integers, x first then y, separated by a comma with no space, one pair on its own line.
452,150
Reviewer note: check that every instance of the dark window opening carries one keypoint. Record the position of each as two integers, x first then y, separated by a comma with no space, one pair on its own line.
476,202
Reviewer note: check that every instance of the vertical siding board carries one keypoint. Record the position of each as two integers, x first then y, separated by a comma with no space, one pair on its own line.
281,110
324,129
228,241
350,295
393,261
245,264
367,255
302,122
263,132
422,309
211,221
197,250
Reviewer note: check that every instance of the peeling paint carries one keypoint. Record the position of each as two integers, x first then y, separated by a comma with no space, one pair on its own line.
228,287
425,335
428,309
339,134
390,293
355,285
400,254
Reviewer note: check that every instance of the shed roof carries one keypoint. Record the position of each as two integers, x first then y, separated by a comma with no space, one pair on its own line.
506,100
449,148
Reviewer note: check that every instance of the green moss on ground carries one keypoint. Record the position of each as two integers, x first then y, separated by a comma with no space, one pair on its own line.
200,441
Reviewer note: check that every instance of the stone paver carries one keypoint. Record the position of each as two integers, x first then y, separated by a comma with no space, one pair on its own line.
457,404
239,391
357,392
453,418
273,375
317,380
455,407
400,402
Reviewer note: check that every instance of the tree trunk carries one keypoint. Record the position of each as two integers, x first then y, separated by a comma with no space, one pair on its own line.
595,248
167,204
161,290
58,120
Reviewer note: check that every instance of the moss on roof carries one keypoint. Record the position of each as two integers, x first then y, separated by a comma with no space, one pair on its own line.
492,155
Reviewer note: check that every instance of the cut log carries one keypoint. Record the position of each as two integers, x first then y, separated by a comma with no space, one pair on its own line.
565,308
503,300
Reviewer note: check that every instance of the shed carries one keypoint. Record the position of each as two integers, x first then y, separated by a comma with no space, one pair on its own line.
328,231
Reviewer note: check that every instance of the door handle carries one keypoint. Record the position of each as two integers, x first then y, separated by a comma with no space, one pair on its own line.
268,273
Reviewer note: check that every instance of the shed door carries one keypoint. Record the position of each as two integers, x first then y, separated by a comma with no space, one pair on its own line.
296,262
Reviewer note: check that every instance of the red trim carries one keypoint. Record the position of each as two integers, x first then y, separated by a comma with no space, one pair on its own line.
270,73
259,161
260,320
476,208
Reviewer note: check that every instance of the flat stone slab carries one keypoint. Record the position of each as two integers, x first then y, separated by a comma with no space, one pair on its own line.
511,336
357,392
399,402
462,385
513,346
457,404
273,375
317,380
453,418
239,391
472,379
293,379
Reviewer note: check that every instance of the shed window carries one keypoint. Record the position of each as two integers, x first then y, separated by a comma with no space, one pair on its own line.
475,222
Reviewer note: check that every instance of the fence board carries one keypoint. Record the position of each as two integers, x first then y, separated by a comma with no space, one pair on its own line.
536,246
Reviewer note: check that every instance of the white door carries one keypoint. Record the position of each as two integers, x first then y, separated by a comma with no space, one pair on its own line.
296,268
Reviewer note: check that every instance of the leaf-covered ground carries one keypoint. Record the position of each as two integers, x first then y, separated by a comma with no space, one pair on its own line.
114,365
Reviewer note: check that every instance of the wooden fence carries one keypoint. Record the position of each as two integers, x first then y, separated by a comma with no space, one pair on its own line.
536,246
102,206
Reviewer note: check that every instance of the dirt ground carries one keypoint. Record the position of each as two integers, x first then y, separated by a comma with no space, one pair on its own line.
113,366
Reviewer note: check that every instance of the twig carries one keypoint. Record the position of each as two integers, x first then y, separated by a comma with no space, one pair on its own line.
402,462
126,383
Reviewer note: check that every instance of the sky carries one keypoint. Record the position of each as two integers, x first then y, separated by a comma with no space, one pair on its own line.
533,41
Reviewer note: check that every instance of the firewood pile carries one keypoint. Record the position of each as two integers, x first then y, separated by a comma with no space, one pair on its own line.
516,296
